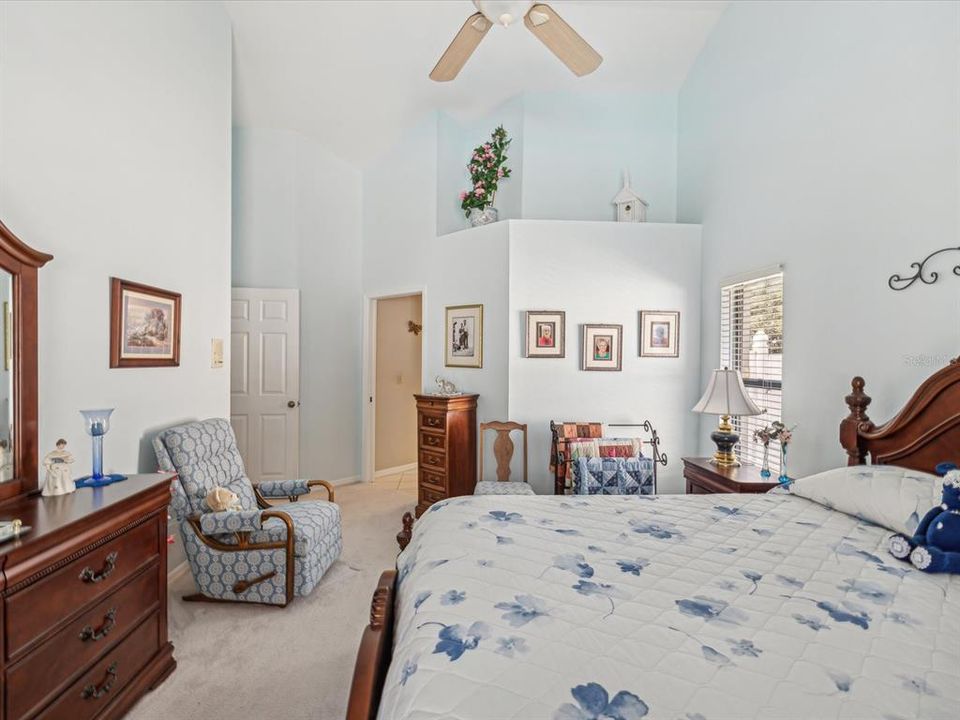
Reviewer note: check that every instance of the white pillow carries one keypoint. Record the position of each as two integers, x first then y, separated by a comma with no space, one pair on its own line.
890,496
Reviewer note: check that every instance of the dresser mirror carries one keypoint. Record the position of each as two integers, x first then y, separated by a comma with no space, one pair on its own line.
18,367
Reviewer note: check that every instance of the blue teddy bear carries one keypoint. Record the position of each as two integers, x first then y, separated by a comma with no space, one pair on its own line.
935,546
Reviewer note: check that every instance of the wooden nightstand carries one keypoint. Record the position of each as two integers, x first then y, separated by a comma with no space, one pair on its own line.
703,477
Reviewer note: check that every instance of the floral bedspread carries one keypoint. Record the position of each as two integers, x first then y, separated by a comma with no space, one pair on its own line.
693,607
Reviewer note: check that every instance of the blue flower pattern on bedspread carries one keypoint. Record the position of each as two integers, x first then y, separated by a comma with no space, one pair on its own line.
627,588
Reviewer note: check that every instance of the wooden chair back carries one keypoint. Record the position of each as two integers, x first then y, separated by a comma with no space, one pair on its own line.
503,447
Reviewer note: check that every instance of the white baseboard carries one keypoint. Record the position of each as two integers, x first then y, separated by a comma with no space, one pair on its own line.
409,467
345,480
182,569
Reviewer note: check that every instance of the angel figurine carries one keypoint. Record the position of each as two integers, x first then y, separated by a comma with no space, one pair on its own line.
57,463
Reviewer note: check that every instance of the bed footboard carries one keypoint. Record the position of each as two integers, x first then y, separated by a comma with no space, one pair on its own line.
376,648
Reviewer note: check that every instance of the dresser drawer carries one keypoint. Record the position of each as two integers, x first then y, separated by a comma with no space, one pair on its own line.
41,672
433,441
429,496
434,480
432,460
41,605
96,688
433,421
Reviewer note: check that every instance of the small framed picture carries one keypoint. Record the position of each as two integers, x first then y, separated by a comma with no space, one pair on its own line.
144,325
464,337
546,334
602,347
659,333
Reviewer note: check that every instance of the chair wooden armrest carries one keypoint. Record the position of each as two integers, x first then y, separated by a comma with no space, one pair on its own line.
244,545
322,483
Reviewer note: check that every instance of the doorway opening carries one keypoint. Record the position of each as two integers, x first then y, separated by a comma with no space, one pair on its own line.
395,376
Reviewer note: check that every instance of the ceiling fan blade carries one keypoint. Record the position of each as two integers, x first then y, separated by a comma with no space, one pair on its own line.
462,47
562,40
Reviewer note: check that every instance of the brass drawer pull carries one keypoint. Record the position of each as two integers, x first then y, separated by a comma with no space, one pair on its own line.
433,422
89,575
432,460
109,620
94,692
432,441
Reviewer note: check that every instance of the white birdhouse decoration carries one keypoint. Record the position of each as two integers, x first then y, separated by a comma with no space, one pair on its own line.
630,206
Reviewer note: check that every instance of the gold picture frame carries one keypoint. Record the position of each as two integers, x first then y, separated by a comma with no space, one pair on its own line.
463,336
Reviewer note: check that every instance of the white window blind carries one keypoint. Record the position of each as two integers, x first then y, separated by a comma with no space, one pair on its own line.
751,340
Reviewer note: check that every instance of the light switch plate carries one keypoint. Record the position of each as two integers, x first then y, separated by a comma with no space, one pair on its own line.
216,353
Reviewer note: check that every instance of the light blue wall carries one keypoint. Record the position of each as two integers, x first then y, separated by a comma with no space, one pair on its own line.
455,142
296,224
568,155
825,136
577,145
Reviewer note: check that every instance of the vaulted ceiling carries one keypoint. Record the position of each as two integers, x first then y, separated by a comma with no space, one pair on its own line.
354,74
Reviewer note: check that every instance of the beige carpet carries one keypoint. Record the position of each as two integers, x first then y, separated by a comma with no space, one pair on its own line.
238,661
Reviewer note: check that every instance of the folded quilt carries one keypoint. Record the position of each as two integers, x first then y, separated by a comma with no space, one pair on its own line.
613,476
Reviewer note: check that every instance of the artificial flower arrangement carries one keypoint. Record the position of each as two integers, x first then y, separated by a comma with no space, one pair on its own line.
775,431
486,170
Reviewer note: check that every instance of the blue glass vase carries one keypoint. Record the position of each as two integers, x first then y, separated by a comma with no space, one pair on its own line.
784,479
98,425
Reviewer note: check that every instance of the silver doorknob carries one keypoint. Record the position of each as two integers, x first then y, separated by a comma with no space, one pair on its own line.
292,404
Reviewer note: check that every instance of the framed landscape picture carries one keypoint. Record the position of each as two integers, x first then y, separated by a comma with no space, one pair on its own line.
546,334
602,347
659,333
463,341
144,325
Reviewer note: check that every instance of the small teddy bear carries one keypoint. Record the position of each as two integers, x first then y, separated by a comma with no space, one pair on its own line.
935,546
220,499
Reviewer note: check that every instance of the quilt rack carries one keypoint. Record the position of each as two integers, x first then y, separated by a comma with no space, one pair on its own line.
565,432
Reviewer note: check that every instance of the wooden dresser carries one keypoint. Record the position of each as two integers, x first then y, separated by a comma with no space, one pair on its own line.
84,612
447,447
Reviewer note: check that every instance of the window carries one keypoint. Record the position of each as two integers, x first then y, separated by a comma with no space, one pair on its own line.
751,340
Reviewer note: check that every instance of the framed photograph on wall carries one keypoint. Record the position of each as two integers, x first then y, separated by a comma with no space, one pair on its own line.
144,325
546,335
659,333
463,341
602,347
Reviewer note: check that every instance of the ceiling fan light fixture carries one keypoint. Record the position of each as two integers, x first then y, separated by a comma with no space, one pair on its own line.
503,12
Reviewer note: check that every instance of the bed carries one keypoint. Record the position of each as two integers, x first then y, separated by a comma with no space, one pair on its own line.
713,606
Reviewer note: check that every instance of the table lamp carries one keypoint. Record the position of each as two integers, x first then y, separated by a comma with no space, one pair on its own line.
726,396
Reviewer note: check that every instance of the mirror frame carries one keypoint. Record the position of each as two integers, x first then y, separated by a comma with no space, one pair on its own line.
22,262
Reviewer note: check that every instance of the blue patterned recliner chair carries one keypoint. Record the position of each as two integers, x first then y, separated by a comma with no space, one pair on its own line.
258,553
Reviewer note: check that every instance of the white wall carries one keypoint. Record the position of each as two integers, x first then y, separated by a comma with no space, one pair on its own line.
825,136
297,224
115,158
606,273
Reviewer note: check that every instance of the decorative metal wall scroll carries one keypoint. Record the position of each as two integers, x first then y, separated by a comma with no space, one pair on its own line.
927,277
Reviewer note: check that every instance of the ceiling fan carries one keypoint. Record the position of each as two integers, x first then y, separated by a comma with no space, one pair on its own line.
540,19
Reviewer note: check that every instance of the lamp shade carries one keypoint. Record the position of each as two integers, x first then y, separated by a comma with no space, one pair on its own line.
726,395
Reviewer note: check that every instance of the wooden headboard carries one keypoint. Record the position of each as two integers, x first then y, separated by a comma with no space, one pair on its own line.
925,433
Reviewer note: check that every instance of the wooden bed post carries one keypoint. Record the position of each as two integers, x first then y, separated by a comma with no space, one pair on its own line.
403,537
857,401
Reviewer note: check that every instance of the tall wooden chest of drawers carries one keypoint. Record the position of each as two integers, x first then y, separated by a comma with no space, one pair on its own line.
84,601
446,447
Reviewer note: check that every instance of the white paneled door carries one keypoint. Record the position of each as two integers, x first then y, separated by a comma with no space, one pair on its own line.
265,381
